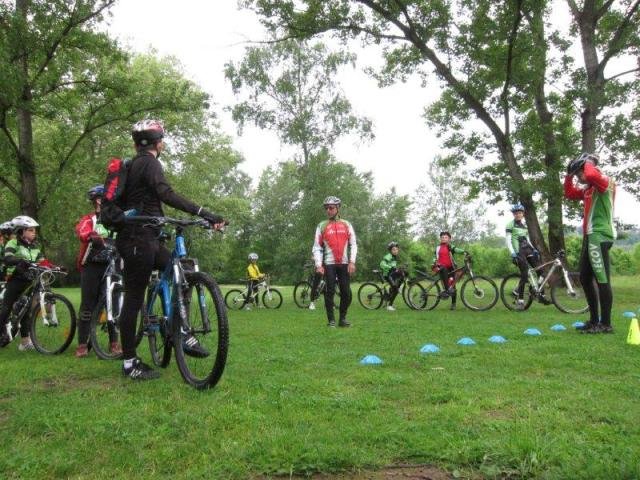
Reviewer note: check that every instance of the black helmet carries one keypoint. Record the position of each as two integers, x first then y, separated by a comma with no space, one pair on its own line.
147,132
390,245
576,164
95,192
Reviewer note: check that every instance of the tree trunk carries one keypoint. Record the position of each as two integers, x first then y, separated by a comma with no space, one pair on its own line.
26,164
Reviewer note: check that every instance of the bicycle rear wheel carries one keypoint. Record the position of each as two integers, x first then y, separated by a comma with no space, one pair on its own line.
272,298
566,301
103,332
155,329
425,296
509,295
207,322
52,331
370,296
479,293
302,294
234,299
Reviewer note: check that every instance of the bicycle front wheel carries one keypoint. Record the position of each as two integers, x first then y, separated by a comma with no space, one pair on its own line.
302,294
509,293
207,323
52,330
272,298
569,298
103,332
370,296
479,293
234,299
424,297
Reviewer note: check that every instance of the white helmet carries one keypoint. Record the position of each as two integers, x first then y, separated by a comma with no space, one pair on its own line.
331,200
6,227
253,256
23,221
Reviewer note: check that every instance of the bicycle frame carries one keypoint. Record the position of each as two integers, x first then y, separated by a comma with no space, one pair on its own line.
112,279
538,282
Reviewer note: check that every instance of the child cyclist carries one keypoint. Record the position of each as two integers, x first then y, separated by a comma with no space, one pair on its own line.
19,254
391,272
444,264
92,262
253,278
6,234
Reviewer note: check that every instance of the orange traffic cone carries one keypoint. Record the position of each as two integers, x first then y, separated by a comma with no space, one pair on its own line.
633,338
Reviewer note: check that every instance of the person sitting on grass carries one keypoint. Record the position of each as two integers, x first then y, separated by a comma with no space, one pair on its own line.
444,264
391,273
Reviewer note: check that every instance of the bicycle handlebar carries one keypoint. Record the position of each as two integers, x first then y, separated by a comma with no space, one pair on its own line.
161,221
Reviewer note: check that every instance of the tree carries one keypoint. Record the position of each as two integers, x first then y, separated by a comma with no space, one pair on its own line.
65,83
443,204
289,87
503,63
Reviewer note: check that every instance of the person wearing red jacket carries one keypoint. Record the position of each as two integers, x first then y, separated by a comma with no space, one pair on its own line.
91,263
597,191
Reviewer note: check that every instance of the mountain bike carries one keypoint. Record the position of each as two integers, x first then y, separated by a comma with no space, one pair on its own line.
477,292
51,317
567,293
373,295
302,290
183,303
105,319
271,297
426,293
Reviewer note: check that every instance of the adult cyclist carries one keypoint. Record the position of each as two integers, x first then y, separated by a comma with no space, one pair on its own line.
146,189
334,254
522,251
597,191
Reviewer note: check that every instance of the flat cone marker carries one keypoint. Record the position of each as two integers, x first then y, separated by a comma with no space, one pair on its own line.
634,333
497,339
629,315
558,327
532,331
371,360
429,348
466,341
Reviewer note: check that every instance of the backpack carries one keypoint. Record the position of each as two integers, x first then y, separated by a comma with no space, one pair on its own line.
112,212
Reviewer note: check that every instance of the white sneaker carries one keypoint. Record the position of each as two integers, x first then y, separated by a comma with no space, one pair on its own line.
312,306
391,308
247,307
26,347
520,304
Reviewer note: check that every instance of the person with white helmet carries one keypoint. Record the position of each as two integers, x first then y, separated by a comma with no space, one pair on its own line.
334,252
146,190
597,191
254,276
522,251
6,234
92,263
19,254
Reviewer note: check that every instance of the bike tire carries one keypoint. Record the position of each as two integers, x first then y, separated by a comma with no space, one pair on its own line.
211,333
479,293
507,286
424,297
234,299
565,302
53,337
102,333
301,294
370,296
158,336
272,299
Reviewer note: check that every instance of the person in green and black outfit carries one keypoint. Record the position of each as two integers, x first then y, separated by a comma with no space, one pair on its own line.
6,234
19,254
391,272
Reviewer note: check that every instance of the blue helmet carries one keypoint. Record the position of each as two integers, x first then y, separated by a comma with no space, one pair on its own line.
517,207
96,191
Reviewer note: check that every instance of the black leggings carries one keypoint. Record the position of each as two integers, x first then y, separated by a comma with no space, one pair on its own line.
446,275
525,258
15,287
252,292
314,286
141,255
90,283
603,294
342,273
394,279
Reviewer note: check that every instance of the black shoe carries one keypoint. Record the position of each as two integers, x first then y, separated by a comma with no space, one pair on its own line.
597,328
139,371
192,347
343,323
586,326
332,324
544,300
444,294
452,307
4,340
606,328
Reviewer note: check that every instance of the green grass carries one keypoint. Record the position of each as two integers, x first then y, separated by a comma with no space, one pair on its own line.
294,399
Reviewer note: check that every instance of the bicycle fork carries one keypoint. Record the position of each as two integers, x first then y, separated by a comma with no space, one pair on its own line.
48,311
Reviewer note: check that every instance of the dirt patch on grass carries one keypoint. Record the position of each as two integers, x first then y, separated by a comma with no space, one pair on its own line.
400,472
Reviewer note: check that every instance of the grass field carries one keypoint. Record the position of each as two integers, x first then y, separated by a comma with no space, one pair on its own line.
294,400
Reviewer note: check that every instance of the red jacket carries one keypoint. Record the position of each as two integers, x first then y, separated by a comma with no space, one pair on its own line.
84,231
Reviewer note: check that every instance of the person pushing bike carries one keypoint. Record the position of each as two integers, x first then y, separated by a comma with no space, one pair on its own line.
597,191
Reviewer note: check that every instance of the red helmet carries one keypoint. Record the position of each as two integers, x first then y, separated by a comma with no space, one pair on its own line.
147,132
